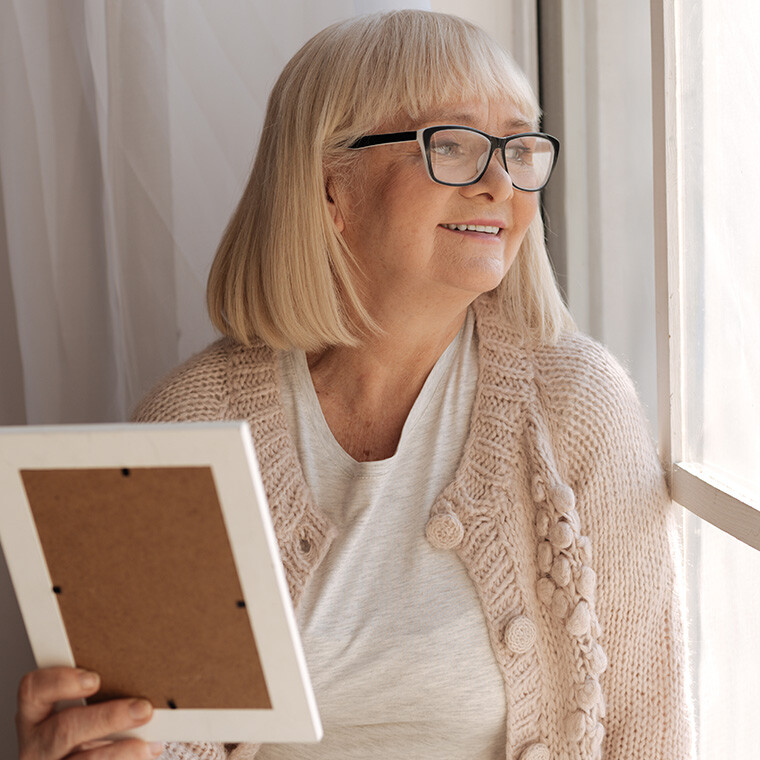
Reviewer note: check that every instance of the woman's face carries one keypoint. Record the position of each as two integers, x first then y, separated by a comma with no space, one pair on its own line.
397,221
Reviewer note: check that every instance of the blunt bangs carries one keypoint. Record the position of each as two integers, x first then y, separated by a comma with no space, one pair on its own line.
410,63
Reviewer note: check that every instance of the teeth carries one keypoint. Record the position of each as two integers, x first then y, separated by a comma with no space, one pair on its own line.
473,228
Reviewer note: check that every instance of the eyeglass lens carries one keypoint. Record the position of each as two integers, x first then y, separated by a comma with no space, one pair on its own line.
458,156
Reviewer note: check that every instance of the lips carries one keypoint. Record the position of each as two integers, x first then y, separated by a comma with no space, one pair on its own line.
483,227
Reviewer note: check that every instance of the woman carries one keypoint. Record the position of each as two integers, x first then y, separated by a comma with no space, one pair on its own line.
472,519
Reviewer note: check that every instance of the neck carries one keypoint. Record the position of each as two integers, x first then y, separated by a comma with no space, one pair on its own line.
367,392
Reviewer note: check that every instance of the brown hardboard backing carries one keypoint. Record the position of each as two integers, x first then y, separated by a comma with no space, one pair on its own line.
142,569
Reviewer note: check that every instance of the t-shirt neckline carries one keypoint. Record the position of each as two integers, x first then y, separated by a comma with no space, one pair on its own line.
307,395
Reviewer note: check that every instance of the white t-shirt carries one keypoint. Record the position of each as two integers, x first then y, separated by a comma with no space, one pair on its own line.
394,636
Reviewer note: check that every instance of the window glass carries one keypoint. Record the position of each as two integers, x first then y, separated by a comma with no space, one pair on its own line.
721,239
724,623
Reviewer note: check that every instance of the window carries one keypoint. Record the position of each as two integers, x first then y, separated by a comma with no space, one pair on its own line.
705,61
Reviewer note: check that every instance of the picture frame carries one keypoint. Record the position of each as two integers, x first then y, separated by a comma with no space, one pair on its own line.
146,552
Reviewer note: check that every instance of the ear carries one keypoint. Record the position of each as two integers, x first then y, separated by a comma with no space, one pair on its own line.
332,205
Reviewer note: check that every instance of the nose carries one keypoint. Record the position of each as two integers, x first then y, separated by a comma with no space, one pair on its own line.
495,182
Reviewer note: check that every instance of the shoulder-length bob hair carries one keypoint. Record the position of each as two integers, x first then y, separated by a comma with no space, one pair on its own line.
282,273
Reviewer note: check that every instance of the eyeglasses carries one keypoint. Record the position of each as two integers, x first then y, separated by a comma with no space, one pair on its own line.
459,156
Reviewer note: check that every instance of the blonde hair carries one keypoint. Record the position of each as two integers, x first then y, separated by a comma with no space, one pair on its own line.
282,272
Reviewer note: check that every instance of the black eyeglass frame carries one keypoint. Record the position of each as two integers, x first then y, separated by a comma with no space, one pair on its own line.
424,135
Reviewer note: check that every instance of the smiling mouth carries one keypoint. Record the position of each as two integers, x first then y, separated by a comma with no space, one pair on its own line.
473,228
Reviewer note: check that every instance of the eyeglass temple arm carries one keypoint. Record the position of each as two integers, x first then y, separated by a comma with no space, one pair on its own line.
390,137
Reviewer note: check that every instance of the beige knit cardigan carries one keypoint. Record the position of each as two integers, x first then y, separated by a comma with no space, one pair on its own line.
560,514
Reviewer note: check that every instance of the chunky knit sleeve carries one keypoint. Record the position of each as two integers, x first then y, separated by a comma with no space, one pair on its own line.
196,391
606,455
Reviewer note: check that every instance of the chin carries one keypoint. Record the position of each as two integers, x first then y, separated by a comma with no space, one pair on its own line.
483,275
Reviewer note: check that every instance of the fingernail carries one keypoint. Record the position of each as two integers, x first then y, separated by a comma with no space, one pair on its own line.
88,680
156,748
140,709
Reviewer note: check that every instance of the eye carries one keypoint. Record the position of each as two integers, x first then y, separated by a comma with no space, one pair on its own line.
520,152
446,148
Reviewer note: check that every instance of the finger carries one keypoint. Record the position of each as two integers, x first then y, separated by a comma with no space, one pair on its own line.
69,729
41,689
92,745
129,749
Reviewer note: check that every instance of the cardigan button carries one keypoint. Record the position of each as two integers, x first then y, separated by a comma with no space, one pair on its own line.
444,531
536,751
520,635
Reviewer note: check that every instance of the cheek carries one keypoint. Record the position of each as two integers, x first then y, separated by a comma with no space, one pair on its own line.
526,209
383,210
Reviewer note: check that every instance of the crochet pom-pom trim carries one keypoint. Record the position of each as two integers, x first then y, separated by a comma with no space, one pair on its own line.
567,586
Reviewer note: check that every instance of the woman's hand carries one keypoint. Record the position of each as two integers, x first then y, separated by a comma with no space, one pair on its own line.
76,733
